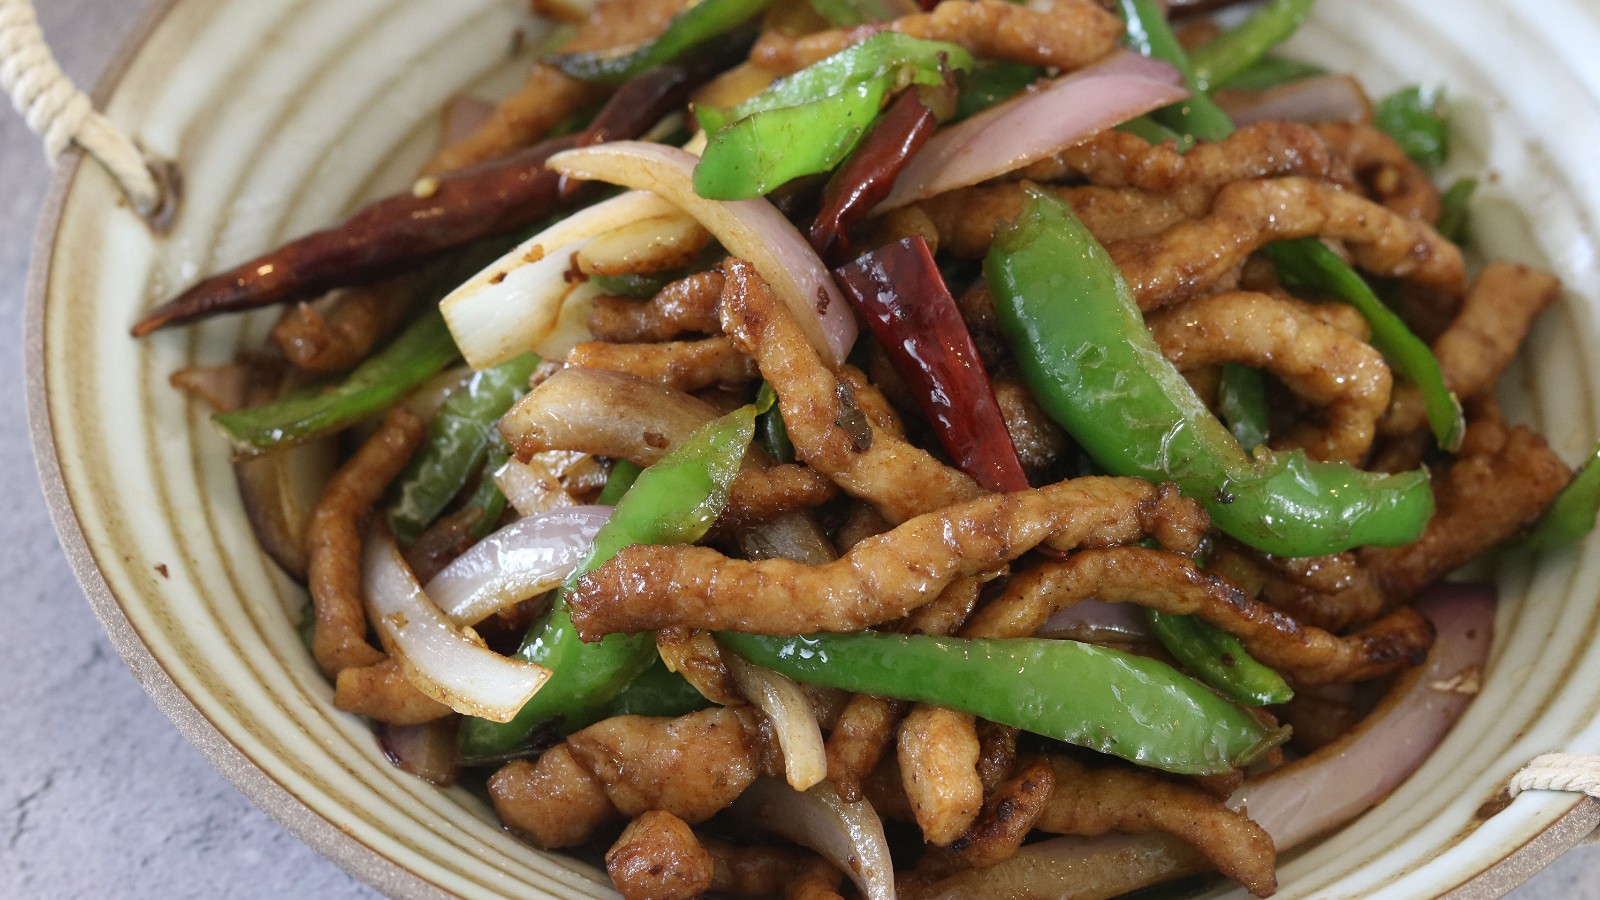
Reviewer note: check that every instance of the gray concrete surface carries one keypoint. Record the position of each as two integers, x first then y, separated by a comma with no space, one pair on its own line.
99,795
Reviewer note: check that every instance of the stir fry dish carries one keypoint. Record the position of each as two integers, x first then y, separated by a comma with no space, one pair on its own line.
863,448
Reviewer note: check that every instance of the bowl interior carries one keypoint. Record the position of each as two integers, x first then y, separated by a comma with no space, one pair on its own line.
284,115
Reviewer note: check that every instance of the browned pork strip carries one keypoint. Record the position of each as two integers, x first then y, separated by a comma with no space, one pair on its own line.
686,306
382,692
858,741
336,336
1116,159
1192,257
1345,378
938,755
1391,177
644,588
658,857
333,542
692,766
767,871
1121,798
680,365
1008,815
1070,35
1173,584
1476,348
966,219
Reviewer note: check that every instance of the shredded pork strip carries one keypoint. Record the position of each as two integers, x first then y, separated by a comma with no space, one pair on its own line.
686,306
966,219
938,754
333,541
1193,257
1478,346
692,766
1347,380
644,588
680,365
1173,584
382,692
858,741
1093,802
1390,176
1070,35
658,857
336,335
1009,814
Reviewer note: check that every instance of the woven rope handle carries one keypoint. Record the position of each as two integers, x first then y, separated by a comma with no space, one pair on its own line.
1559,772
63,115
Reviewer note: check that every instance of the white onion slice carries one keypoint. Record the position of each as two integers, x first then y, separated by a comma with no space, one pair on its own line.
1326,98
1035,124
1342,780
753,230
522,560
805,763
530,488
849,835
650,245
445,663
429,751
516,304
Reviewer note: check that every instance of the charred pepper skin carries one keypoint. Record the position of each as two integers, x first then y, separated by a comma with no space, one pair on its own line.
672,502
1082,346
1132,707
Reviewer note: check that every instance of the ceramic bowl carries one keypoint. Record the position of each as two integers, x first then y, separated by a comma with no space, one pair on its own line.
283,114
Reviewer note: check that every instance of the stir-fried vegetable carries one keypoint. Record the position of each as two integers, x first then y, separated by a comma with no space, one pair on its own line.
419,353
672,502
903,299
1133,707
1455,210
1270,72
809,122
857,12
1196,118
868,175
1572,515
1218,659
1084,350
460,436
1239,48
1416,118
1242,404
699,25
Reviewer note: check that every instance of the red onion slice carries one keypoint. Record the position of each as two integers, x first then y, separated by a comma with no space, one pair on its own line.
1097,620
447,664
429,751
753,230
1326,98
1342,780
849,835
522,560
1030,127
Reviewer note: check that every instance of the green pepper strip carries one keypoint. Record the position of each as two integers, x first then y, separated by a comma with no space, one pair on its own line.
419,353
1270,72
700,23
990,82
657,691
1310,263
487,502
459,437
673,502
809,122
1218,659
623,475
1572,515
1239,48
1242,403
1455,210
844,13
1415,117
770,428
1084,350
1307,259
1136,708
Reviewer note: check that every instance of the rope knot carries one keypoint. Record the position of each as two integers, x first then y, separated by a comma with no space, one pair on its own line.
1559,772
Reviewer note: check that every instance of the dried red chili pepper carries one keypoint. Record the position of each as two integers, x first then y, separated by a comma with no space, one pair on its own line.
868,175
898,290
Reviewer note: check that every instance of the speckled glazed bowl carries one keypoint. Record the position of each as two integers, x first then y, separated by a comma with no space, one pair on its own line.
284,113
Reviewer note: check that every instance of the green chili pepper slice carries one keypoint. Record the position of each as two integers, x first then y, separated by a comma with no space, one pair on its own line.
657,691
1455,210
1238,48
419,353
809,122
1242,402
623,475
770,428
700,22
844,13
1197,118
672,502
991,82
487,502
1571,515
1270,72
1081,343
1308,262
1132,707
1218,659
459,438
1416,118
